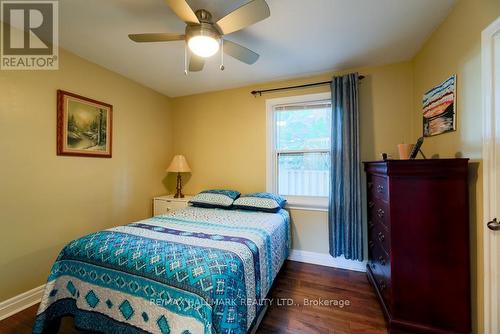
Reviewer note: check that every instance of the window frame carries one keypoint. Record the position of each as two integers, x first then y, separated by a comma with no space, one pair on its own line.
316,203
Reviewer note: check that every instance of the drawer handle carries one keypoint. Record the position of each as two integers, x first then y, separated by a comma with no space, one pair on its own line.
380,189
380,213
371,204
381,260
381,236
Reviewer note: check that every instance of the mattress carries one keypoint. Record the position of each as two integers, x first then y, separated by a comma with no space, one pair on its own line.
193,271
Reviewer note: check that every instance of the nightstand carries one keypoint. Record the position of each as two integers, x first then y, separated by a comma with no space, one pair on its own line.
165,204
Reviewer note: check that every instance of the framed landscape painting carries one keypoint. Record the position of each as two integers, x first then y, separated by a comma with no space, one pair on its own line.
84,126
439,108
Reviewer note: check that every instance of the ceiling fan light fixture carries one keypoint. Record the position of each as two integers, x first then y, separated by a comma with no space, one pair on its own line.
203,46
204,37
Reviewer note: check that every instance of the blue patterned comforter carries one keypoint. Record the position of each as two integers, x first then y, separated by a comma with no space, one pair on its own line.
194,271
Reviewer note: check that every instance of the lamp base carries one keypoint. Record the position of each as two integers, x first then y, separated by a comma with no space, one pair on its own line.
178,188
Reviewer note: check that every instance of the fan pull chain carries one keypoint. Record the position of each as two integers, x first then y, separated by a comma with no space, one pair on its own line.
185,59
222,55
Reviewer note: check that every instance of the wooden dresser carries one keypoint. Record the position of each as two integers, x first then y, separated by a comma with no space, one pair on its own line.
418,244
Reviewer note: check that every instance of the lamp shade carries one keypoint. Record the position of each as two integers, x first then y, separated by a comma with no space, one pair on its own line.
179,165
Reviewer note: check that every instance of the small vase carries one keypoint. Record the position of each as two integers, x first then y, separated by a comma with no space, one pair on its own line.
404,151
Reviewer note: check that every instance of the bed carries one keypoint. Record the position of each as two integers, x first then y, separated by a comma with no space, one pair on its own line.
194,271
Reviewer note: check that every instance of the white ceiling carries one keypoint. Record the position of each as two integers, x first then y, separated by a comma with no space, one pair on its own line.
300,37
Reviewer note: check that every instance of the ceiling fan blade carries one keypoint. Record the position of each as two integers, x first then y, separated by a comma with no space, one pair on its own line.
248,14
183,11
240,52
196,63
156,37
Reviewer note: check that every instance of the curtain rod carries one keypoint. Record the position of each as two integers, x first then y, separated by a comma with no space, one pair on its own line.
260,92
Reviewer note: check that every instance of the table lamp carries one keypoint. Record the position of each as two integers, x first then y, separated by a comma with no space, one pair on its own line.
179,165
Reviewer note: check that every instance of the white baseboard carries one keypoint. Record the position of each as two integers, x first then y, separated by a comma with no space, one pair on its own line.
20,302
326,260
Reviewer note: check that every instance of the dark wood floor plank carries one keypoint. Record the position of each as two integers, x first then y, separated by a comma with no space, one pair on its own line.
296,281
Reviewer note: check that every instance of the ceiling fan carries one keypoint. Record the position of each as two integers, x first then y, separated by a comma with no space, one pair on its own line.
204,37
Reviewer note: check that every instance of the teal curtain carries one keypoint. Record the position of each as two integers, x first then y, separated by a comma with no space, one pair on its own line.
344,214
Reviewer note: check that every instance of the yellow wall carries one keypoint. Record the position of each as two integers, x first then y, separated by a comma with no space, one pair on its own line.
46,200
223,136
455,48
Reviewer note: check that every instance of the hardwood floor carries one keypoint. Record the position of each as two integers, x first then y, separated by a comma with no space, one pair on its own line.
297,283
300,281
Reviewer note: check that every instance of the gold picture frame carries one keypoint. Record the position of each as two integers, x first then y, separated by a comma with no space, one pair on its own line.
84,126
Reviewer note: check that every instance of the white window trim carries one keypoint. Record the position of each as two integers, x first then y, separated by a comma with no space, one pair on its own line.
293,202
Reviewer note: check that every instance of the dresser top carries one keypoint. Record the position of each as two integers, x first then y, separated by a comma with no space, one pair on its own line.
421,167
406,161
171,198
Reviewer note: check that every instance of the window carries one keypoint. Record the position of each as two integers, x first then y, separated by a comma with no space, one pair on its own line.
299,149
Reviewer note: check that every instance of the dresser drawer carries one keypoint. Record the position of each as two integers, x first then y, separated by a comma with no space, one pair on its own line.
164,206
384,286
380,260
380,235
380,266
378,187
378,212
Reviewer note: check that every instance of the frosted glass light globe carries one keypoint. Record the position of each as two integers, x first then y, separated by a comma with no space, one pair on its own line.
203,46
